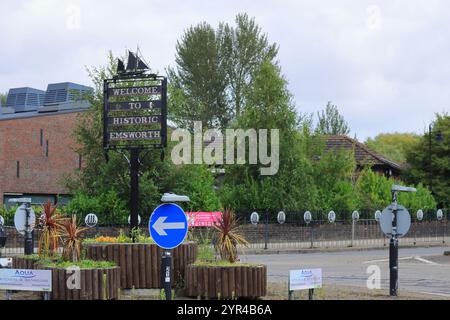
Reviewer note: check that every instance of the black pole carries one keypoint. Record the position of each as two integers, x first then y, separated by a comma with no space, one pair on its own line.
134,191
311,294
166,274
393,251
266,231
430,159
28,233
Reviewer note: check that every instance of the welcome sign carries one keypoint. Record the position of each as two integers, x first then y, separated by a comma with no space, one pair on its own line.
26,280
135,112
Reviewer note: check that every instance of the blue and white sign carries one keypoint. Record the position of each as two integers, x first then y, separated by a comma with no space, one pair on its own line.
26,280
305,279
168,226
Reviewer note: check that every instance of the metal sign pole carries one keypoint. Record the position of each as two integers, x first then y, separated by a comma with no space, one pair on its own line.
134,191
166,275
393,249
266,231
311,294
28,235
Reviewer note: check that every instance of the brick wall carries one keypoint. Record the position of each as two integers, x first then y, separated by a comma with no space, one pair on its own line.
20,140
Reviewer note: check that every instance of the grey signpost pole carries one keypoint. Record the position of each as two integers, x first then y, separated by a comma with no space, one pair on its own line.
393,249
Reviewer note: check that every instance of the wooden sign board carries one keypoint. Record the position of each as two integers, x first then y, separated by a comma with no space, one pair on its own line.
135,116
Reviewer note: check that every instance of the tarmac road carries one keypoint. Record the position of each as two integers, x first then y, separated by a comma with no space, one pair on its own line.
421,270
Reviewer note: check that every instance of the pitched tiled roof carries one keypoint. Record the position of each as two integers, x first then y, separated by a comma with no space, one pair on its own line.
363,155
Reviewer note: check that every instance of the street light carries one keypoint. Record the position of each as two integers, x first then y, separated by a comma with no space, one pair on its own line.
439,139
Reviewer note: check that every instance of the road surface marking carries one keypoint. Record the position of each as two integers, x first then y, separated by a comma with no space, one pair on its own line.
386,260
437,294
425,260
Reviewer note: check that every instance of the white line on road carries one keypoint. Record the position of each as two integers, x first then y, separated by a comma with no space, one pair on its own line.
425,260
437,294
386,260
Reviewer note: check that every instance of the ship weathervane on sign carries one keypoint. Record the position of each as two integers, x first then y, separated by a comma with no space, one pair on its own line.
135,64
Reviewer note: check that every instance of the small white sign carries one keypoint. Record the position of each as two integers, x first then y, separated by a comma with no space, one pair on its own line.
20,219
26,280
5,262
305,279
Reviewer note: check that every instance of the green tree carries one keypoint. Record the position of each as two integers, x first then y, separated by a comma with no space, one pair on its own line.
3,97
214,70
393,145
435,173
333,174
244,49
331,122
269,106
374,193
197,86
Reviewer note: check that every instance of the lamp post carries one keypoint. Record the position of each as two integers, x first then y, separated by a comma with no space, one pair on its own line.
439,139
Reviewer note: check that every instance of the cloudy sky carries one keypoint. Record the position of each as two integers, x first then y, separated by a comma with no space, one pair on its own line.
386,64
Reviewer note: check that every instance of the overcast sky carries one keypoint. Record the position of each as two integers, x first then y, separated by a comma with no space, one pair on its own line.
386,64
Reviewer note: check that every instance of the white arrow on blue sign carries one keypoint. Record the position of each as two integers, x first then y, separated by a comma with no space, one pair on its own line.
168,226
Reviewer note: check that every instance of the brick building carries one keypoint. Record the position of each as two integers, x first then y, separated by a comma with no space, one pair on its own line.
37,148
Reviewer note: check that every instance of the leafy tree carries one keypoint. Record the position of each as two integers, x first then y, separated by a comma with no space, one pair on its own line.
3,97
393,145
331,122
435,173
214,71
333,178
374,193
244,48
197,182
269,106
197,85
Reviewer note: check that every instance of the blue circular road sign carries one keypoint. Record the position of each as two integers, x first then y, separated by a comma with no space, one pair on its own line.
168,226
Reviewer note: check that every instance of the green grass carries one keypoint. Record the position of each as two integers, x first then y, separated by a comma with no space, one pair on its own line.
205,253
83,264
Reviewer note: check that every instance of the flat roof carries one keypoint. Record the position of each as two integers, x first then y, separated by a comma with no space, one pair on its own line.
32,114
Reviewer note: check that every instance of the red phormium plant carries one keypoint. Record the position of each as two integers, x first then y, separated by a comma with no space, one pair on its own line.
51,222
228,237
72,239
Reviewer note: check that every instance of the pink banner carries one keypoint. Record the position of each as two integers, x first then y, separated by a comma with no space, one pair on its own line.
203,219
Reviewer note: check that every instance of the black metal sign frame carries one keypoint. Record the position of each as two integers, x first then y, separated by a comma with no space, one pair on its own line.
133,91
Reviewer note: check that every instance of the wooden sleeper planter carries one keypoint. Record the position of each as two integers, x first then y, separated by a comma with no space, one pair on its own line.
24,263
95,284
140,264
228,282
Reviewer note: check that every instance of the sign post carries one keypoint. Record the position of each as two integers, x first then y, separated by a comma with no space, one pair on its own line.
395,222
134,119
168,227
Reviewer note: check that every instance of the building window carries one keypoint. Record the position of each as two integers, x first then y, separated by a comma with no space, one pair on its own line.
42,137
80,159
46,148
18,169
